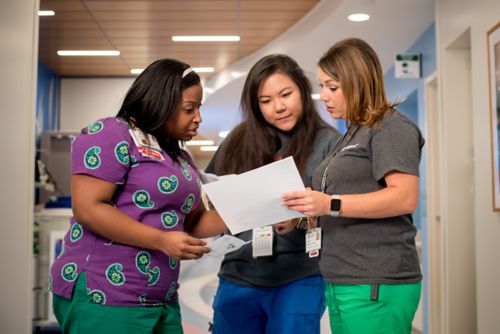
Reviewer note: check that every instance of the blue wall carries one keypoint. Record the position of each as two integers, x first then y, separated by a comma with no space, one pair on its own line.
47,100
413,91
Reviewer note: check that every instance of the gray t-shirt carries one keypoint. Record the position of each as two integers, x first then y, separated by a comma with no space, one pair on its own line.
289,261
368,251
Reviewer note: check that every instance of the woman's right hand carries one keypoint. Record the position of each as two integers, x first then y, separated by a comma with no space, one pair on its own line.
181,246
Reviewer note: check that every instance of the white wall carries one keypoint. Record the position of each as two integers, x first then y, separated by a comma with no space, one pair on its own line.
453,18
86,100
19,39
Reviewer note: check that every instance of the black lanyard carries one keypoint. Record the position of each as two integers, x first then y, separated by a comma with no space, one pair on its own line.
340,145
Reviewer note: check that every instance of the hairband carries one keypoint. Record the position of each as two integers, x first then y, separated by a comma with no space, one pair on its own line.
187,71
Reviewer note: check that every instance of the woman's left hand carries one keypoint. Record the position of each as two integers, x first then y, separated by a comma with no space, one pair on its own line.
308,202
286,226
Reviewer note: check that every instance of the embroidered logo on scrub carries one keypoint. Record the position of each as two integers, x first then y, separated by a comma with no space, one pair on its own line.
92,159
114,274
168,185
188,203
121,152
95,128
169,219
142,199
143,262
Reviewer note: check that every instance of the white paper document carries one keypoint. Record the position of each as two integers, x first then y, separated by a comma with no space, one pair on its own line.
253,199
225,244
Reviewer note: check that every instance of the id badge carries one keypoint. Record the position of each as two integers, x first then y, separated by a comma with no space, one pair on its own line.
313,241
262,241
146,144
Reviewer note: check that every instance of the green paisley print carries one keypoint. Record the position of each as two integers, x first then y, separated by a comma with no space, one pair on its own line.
92,159
97,297
115,275
121,152
68,272
188,203
142,199
95,128
169,219
76,232
168,185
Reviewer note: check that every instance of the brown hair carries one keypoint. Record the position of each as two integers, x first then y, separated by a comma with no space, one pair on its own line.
355,65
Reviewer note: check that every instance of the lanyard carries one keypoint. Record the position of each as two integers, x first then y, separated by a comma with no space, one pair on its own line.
340,145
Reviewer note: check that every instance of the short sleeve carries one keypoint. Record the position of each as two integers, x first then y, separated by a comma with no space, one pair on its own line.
396,146
102,150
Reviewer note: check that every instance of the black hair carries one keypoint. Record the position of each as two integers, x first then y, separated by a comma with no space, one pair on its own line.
153,98
254,142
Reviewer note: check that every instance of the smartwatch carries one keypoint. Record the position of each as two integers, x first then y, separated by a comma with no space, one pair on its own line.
335,205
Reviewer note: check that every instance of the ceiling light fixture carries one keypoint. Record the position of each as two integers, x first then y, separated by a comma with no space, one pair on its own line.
203,69
209,148
46,13
358,17
206,38
91,53
199,142
196,69
223,134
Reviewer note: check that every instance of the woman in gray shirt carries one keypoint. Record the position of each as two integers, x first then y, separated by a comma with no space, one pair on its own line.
365,193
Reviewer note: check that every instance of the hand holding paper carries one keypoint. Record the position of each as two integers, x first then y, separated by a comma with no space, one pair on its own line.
253,199
225,244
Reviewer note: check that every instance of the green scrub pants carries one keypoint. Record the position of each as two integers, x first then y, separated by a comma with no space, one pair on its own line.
78,315
377,309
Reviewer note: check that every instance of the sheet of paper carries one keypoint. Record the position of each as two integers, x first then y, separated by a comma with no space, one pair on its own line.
225,244
252,199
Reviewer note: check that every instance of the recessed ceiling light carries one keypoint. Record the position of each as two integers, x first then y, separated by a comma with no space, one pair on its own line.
206,38
223,134
237,74
88,53
46,13
209,148
196,69
203,69
358,17
199,142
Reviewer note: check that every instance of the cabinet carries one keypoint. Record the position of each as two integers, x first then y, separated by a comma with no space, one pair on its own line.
50,227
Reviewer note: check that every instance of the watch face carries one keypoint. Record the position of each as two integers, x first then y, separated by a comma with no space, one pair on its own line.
335,204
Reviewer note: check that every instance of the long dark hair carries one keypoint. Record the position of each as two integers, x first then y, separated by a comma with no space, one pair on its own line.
254,142
153,98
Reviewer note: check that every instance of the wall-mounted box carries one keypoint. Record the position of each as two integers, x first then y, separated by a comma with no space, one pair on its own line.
407,66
